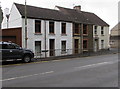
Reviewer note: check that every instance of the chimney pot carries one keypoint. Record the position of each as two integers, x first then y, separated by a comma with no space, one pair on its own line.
77,8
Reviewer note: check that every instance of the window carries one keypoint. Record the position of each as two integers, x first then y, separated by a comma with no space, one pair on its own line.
76,31
63,28
51,27
37,26
63,46
102,30
102,44
10,46
95,30
37,48
4,46
85,28
85,44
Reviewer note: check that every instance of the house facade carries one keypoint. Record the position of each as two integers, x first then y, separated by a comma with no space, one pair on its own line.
94,31
58,32
115,36
46,35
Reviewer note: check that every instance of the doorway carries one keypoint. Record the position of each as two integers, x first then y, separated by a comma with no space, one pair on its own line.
52,47
76,45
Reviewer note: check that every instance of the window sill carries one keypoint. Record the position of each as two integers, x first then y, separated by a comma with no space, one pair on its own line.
51,33
63,34
85,34
63,52
76,34
38,33
85,50
102,34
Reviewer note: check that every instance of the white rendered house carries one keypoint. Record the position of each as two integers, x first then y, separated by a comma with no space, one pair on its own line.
49,32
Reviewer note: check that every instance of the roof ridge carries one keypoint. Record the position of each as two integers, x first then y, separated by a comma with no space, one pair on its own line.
36,7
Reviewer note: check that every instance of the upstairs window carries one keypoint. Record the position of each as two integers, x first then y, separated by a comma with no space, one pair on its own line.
51,27
63,28
37,26
102,30
85,29
76,30
95,31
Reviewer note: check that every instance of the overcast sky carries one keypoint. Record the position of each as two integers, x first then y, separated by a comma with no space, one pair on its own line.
105,9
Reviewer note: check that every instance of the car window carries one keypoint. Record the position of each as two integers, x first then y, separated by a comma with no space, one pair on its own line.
16,46
10,46
4,46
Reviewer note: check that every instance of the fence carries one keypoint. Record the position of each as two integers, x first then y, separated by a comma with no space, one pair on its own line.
70,52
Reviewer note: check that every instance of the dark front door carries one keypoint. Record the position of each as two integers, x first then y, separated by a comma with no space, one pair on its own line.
52,47
76,45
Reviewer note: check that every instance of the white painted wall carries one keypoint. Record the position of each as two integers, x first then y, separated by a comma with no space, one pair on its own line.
32,37
104,37
14,20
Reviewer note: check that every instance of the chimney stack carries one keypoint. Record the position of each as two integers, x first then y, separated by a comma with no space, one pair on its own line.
77,8
6,11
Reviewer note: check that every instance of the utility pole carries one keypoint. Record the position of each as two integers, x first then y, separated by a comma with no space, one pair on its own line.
45,40
25,25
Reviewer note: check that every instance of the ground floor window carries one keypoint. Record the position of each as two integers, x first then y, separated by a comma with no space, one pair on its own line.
38,48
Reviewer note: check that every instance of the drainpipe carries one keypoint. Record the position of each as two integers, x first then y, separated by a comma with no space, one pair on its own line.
81,38
45,40
25,25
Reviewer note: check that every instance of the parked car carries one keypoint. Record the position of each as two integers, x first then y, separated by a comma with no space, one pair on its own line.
12,51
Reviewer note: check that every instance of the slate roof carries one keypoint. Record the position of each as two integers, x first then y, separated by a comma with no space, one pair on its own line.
63,14
83,16
116,27
41,13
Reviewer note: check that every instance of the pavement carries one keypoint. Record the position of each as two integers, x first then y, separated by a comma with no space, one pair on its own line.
103,52
93,71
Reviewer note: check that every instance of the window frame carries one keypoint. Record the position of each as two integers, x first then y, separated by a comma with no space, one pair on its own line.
63,28
76,28
37,26
51,27
95,30
102,30
85,28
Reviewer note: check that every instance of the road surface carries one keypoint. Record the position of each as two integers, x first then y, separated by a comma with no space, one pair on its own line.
95,71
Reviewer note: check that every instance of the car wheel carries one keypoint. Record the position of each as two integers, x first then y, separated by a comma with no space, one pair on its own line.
26,59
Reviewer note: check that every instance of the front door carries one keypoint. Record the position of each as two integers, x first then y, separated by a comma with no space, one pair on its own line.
52,47
96,45
76,45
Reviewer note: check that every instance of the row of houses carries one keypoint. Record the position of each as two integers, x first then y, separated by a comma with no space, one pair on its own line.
61,31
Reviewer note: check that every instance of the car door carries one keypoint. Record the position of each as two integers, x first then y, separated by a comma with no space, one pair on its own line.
5,51
15,53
